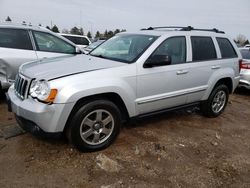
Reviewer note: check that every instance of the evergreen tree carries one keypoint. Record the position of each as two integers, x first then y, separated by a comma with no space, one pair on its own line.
8,19
75,31
117,31
48,27
89,35
55,29
105,35
97,35
81,31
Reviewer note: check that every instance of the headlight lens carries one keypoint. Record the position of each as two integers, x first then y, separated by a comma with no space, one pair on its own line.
40,89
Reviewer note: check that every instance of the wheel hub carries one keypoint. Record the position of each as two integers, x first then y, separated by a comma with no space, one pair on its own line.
97,126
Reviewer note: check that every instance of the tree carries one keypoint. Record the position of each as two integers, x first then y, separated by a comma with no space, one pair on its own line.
39,24
8,19
123,30
241,39
89,35
55,29
105,35
81,31
247,42
110,34
75,31
117,31
48,27
97,35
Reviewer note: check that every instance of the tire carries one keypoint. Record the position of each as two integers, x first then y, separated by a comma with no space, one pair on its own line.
216,103
94,126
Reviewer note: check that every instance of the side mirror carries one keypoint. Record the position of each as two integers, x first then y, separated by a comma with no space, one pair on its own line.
157,60
78,51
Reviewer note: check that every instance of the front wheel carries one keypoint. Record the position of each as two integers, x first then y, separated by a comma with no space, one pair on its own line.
95,125
216,102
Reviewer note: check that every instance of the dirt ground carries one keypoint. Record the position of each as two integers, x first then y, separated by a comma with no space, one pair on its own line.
177,149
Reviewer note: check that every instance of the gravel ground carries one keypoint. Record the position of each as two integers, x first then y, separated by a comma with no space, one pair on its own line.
177,149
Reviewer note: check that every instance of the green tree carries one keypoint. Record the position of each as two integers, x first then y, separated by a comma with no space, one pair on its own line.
55,29
81,31
75,31
89,35
105,35
97,35
48,27
117,31
8,19
110,34
123,30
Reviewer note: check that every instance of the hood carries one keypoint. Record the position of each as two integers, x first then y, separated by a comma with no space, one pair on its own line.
53,68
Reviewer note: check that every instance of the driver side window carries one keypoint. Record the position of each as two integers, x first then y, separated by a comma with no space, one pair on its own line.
174,47
48,43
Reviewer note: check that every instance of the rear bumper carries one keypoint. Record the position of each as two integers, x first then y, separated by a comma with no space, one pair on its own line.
245,79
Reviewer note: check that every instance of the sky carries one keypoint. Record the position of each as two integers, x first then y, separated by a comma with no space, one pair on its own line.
232,16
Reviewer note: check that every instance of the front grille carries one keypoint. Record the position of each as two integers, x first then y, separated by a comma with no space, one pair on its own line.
21,86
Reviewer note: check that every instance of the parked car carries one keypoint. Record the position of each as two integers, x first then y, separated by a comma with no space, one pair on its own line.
92,46
132,75
247,46
80,40
245,68
23,43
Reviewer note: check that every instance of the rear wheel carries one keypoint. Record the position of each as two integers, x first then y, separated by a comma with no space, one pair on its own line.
94,126
216,102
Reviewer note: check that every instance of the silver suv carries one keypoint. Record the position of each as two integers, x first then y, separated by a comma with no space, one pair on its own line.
22,43
131,75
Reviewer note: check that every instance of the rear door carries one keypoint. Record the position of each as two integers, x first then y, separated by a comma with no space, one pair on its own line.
203,63
15,49
48,45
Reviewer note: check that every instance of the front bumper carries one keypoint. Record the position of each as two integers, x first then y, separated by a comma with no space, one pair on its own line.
49,118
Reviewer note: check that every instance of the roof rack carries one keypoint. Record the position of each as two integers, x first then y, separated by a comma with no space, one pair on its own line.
187,28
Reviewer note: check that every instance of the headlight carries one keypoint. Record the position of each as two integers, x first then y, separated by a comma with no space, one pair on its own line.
42,91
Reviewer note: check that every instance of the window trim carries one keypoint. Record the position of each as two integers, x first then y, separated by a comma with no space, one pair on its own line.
185,37
194,61
231,46
37,47
17,29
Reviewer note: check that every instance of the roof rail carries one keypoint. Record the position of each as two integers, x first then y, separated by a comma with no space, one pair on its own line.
187,28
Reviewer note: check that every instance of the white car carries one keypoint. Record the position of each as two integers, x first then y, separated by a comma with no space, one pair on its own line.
245,68
80,40
21,43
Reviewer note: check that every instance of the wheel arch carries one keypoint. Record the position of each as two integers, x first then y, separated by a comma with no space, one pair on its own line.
111,96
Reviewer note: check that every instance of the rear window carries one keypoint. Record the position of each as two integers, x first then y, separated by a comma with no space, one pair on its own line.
77,40
15,38
226,48
245,53
203,48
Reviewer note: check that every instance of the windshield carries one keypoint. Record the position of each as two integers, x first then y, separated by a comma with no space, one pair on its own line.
245,53
95,44
125,48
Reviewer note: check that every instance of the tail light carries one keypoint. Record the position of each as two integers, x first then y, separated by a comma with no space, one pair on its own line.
244,64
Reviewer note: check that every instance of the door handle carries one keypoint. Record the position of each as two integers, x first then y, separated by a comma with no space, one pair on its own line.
216,67
182,72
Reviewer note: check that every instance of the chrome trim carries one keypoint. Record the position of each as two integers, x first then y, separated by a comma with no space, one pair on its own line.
171,95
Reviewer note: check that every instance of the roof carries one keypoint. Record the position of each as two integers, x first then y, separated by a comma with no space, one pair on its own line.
22,26
160,31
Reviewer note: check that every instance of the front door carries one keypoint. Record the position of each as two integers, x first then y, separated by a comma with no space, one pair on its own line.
161,87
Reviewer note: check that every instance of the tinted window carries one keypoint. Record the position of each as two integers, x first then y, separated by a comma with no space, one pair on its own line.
245,53
15,38
226,48
174,47
50,43
77,40
203,48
